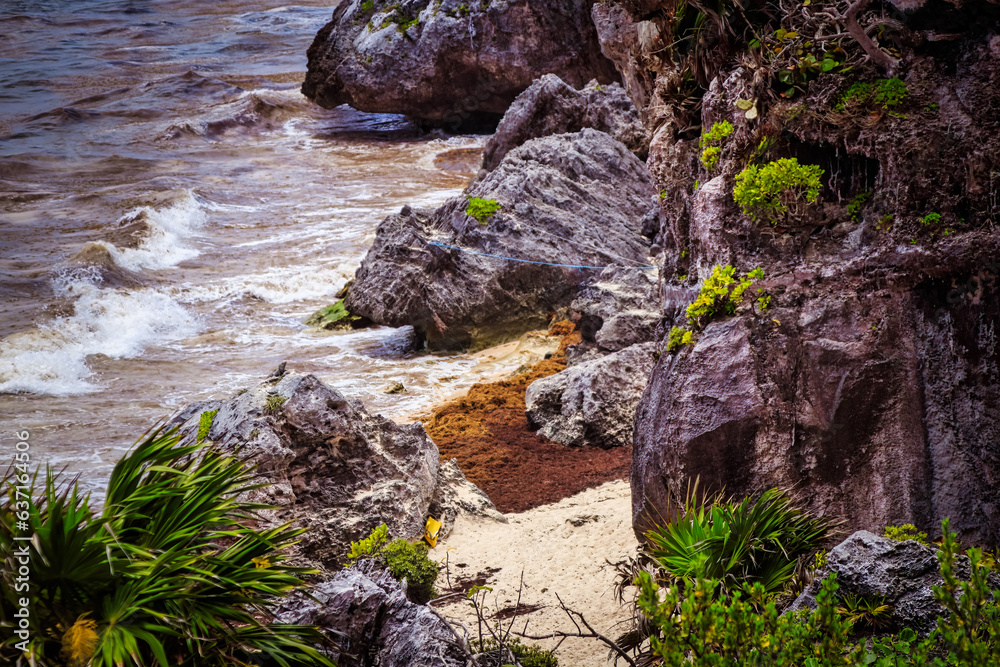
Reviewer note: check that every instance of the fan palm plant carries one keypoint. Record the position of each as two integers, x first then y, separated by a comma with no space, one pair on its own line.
738,541
169,572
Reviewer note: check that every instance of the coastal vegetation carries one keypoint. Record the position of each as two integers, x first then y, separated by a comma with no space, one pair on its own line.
481,209
404,559
170,571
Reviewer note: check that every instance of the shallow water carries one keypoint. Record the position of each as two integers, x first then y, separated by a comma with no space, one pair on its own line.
172,209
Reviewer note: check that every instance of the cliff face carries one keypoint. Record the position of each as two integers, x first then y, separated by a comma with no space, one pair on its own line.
871,382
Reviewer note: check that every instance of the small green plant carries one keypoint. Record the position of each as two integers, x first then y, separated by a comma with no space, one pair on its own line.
906,532
335,316
481,209
930,219
663,194
403,559
764,302
777,191
711,143
274,403
679,337
885,94
858,203
720,294
492,653
205,424
367,6
866,613
885,222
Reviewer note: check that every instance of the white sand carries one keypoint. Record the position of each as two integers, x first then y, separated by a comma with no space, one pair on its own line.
556,556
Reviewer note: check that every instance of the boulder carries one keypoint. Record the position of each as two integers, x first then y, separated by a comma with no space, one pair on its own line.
623,307
594,402
449,61
334,468
551,106
567,203
901,573
366,613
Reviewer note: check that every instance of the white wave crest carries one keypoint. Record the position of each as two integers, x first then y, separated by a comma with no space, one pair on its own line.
169,230
52,359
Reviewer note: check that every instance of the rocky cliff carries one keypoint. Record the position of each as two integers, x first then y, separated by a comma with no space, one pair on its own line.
865,375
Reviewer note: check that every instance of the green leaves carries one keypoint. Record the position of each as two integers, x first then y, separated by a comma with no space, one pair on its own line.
750,541
403,559
712,141
777,191
481,209
170,572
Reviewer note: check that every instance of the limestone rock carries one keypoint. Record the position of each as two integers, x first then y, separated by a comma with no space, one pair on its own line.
901,573
594,402
623,307
450,61
577,199
335,469
366,612
550,106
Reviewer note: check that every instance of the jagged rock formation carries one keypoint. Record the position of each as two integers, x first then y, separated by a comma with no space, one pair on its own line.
902,574
449,61
367,614
551,106
872,382
592,403
578,199
623,307
335,468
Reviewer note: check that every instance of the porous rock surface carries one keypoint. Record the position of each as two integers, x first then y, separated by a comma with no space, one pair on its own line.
365,611
577,199
621,308
449,60
901,573
551,106
333,467
872,382
592,403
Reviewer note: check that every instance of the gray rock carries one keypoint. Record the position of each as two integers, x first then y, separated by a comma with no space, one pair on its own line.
594,402
456,495
366,612
550,106
623,307
577,199
334,468
902,573
456,61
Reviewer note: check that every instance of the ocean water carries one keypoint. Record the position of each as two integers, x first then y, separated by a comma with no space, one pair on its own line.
172,209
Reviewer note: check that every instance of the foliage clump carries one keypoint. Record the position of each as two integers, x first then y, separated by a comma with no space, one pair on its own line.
335,316
866,613
906,532
720,294
274,403
403,559
931,219
711,143
482,209
205,422
777,191
679,337
169,567
857,203
491,653
884,94
753,540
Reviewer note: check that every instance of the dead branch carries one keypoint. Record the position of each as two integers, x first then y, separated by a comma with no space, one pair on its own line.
577,619
880,57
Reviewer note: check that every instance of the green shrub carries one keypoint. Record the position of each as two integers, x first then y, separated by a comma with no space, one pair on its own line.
167,568
403,559
720,294
205,424
883,94
737,542
906,532
866,613
527,656
481,209
858,203
931,219
274,403
711,143
679,337
778,190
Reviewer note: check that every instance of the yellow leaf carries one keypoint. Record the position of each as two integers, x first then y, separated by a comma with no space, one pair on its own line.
261,561
79,642
431,531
